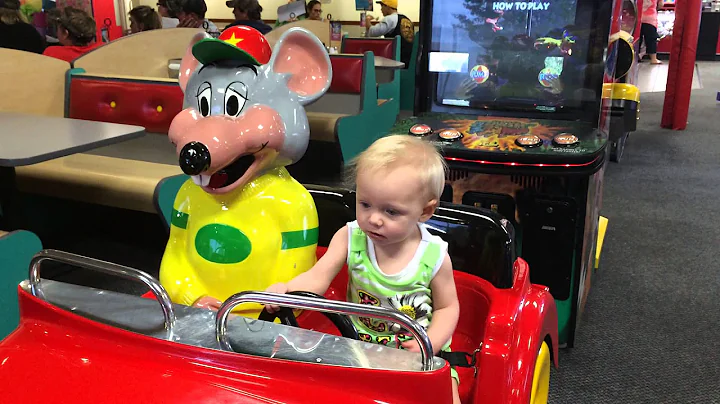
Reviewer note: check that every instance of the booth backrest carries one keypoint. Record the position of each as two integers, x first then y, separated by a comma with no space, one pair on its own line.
134,101
345,95
347,74
388,81
321,29
383,47
16,249
32,83
145,54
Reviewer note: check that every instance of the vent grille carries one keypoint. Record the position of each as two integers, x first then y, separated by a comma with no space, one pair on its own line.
456,175
526,181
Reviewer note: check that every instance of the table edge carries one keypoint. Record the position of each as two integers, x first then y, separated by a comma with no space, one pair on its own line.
26,161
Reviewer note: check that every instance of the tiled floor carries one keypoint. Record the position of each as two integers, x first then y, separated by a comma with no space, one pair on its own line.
653,78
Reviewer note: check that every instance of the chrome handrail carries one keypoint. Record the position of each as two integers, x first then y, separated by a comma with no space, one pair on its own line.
105,267
327,306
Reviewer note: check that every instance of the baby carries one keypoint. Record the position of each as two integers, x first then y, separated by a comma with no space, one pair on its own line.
393,261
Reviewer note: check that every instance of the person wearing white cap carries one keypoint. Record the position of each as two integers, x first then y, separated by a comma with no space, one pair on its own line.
392,25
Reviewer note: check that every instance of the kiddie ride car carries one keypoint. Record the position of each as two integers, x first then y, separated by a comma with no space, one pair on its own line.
235,227
87,345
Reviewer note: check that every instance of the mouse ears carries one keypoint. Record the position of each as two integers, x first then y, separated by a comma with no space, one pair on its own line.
302,56
189,63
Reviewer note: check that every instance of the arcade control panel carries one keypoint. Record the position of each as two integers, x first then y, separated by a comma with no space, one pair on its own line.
538,174
542,143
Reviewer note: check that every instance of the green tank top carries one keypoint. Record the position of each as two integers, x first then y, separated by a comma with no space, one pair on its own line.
407,291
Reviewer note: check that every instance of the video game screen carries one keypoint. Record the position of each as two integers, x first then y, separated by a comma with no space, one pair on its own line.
517,55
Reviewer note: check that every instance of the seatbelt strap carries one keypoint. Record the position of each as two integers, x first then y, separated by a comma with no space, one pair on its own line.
461,359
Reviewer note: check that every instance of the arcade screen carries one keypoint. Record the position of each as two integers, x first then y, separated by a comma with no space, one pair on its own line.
510,55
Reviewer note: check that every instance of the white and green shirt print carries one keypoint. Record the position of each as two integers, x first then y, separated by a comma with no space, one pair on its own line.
408,291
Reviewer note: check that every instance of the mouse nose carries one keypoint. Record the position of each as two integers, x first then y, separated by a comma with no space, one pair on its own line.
194,158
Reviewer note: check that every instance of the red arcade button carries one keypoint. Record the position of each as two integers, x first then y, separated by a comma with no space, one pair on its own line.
420,130
566,140
528,141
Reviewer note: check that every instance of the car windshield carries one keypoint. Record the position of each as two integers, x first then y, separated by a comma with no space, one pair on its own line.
196,327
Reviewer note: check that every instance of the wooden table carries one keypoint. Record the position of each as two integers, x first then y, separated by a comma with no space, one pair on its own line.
31,139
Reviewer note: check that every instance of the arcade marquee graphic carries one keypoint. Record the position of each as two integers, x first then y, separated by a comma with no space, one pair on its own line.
535,18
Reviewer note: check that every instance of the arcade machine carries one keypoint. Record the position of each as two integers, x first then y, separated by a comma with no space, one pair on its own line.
666,23
514,101
708,45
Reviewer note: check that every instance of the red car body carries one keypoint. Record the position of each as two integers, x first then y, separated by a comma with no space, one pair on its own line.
57,356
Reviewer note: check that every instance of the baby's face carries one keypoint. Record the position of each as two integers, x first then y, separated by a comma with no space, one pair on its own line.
390,203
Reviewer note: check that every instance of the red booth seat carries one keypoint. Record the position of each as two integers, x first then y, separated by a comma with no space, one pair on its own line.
347,74
344,98
378,46
148,103
122,183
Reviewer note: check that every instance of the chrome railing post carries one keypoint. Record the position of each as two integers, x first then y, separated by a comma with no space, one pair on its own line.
105,267
323,305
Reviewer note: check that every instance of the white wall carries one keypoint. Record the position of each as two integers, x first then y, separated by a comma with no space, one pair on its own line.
343,10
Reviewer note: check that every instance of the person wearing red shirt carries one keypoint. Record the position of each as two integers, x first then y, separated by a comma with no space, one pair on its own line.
648,29
75,32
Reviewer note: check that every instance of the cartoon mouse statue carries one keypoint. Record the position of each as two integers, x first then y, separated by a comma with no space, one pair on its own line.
242,222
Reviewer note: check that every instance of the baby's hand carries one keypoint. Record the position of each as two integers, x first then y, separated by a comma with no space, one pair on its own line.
276,288
411,345
207,302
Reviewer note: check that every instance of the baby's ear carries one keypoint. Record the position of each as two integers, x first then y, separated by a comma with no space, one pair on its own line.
429,210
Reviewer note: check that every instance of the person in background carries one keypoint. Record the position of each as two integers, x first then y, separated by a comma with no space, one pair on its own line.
167,14
313,11
15,32
392,25
192,15
144,18
648,29
247,12
75,33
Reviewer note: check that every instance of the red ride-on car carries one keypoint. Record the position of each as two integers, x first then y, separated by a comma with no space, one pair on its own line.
77,344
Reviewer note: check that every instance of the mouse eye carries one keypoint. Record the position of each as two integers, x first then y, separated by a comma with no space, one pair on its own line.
235,99
204,99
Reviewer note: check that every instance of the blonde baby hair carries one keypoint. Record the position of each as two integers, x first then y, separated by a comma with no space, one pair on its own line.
404,150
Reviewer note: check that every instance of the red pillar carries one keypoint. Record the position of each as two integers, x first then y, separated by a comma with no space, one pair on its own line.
682,64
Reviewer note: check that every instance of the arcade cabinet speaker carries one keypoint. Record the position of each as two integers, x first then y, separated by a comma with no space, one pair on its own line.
550,224
447,195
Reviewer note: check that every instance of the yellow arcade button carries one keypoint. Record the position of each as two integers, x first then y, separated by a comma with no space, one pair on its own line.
112,104
159,108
